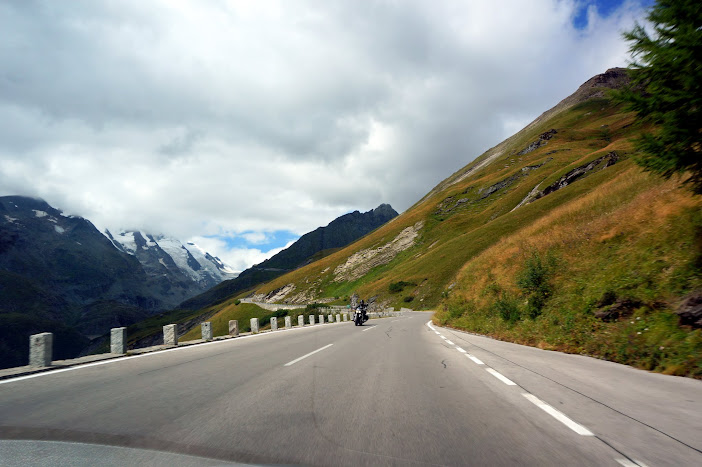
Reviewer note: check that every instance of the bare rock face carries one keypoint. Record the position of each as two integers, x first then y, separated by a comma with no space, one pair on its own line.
690,310
361,262
574,175
614,78
620,308
543,138
584,170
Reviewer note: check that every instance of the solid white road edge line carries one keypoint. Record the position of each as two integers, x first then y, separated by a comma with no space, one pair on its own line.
501,377
560,416
372,327
307,355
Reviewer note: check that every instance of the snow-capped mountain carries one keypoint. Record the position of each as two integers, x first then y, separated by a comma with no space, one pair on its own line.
60,274
159,254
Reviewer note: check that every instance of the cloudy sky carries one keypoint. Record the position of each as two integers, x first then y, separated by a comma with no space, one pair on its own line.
244,124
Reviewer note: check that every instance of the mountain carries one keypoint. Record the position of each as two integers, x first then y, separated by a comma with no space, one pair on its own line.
163,256
553,238
60,274
308,248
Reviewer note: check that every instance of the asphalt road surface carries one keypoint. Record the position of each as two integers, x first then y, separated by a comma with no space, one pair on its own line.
396,391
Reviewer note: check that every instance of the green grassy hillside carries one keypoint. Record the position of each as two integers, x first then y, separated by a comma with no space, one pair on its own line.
552,238
471,215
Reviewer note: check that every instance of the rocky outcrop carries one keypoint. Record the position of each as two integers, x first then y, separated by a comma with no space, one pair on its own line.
274,296
620,308
543,138
690,310
451,204
579,172
361,262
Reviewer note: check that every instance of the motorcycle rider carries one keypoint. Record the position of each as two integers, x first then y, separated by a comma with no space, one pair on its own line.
363,307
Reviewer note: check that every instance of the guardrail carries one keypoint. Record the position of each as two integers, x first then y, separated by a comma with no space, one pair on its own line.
41,345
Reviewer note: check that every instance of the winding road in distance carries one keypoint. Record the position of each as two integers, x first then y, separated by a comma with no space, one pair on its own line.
396,391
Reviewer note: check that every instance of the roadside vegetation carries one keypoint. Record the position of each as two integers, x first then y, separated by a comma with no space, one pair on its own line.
600,276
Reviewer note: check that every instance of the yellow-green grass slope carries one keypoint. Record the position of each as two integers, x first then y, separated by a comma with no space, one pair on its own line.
243,312
615,237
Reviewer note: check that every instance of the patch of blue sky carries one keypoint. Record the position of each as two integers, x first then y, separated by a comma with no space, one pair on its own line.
604,9
263,241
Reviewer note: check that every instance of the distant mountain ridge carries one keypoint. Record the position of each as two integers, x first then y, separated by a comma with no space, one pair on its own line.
59,274
308,248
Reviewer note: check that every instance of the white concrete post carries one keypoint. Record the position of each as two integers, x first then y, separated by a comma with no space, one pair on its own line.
346,316
40,349
288,322
206,328
118,341
312,320
338,318
254,325
233,327
321,319
170,334
301,320
274,323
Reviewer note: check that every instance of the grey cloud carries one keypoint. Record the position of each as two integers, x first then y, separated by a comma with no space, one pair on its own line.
190,118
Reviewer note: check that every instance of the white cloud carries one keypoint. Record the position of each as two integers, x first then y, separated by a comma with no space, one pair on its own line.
237,258
195,119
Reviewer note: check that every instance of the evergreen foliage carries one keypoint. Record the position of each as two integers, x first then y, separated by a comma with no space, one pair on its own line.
666,89
534,282
399,286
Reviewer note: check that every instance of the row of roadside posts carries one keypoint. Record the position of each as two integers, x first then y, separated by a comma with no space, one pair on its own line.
41,345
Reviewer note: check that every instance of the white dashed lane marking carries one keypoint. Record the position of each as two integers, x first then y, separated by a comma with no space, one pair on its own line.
308,355
501,377
560,416
475,359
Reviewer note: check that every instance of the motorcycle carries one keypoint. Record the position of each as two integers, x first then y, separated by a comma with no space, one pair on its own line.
359,315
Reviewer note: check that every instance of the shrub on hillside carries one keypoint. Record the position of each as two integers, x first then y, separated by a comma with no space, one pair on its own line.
535,282
397,287
507,308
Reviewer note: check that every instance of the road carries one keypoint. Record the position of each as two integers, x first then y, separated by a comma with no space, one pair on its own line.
394,392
